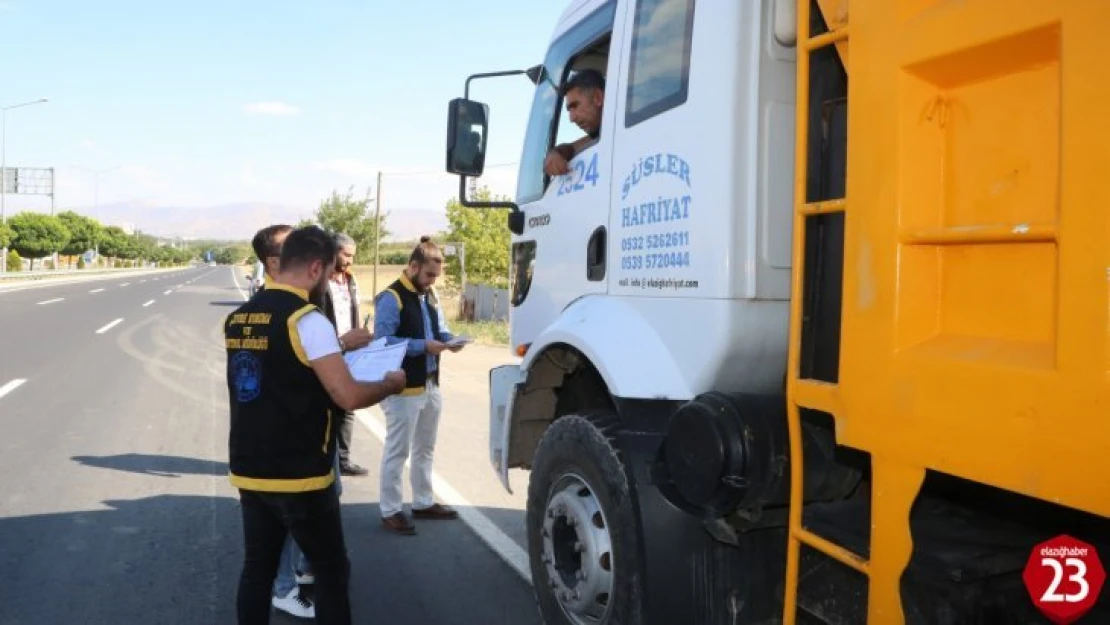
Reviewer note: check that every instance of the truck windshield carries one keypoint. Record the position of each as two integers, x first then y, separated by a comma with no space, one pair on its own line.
531,181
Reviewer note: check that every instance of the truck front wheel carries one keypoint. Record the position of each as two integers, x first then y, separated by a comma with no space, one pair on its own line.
583,541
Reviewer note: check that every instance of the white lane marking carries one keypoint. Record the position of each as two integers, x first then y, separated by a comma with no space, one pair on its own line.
51,301
242,293
11,386
502,545
96,290
168,291
141,281
124,284
109,326
148,303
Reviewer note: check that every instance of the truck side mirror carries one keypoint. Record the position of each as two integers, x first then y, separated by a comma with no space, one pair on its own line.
467,126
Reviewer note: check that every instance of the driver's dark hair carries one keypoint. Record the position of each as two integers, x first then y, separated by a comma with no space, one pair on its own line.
585,80
306,245
265,241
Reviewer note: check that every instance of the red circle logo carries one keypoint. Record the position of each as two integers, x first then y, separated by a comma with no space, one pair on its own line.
1064,578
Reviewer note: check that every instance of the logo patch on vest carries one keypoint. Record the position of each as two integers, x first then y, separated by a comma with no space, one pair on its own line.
247,376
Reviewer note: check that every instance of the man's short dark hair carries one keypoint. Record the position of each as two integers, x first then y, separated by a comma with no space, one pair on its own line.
305,245
265,241
585,80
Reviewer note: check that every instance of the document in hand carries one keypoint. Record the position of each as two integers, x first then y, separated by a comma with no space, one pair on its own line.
371,363
459,340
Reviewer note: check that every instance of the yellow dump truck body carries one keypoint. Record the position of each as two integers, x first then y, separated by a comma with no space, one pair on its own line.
975,333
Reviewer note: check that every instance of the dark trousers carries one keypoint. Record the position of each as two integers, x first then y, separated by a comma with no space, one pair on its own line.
315,522
346,430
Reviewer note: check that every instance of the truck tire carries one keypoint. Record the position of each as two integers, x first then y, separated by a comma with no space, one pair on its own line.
583,538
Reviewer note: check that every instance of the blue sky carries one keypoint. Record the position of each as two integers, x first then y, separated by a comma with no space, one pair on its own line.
278,101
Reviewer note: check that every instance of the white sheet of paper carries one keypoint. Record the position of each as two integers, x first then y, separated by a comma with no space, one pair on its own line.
459,340
371,363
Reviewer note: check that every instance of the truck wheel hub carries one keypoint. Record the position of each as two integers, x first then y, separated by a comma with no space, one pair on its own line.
577,551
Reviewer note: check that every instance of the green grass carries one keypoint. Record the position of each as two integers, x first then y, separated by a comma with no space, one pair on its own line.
483,332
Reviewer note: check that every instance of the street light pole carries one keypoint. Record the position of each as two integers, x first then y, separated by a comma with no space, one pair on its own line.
4,170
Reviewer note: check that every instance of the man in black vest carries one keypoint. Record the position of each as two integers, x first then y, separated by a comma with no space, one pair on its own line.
287,384
293,569
408,310
341,306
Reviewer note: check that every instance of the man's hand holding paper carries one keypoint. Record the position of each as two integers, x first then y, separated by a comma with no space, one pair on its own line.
373,362
457,343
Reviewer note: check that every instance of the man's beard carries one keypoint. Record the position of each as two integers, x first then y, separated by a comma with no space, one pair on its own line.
316,296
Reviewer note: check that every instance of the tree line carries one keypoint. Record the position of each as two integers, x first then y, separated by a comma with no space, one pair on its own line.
483,232
69,234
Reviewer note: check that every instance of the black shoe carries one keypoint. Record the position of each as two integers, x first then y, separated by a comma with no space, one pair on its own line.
352,469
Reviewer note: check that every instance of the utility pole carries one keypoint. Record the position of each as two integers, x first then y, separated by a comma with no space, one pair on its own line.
377,231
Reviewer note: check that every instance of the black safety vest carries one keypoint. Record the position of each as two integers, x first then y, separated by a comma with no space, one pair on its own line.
282,419
412,327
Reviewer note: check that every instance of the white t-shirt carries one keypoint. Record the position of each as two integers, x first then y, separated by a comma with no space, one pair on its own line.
318,336
341,297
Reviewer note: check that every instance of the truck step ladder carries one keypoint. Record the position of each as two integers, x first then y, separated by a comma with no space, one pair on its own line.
801,393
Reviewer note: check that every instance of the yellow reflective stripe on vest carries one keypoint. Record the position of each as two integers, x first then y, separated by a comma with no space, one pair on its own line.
295,336
282,486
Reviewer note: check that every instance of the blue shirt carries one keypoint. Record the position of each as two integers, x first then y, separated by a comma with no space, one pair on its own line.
387,318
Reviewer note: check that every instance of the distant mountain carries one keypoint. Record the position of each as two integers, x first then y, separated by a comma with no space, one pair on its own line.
242,220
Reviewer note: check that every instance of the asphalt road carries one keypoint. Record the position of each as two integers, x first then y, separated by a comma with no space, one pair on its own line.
114,502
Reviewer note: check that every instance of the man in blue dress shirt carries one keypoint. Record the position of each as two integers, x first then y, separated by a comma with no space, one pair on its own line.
409,310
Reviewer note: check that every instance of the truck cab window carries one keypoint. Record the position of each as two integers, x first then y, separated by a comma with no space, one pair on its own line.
585,45
659,68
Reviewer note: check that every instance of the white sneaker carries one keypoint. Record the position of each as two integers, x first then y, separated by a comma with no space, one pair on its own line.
295,604
304,578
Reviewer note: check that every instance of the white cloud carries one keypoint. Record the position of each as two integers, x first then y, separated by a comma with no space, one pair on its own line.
88,144
271,108
5,6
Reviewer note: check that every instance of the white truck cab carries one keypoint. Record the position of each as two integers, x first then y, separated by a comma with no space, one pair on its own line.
680,471
656,272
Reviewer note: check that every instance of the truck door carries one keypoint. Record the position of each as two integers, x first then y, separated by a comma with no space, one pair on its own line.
567,216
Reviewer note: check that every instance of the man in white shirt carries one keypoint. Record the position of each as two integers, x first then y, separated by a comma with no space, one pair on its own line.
286,381
340,304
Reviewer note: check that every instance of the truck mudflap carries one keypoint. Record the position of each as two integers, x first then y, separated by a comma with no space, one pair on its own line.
502,389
